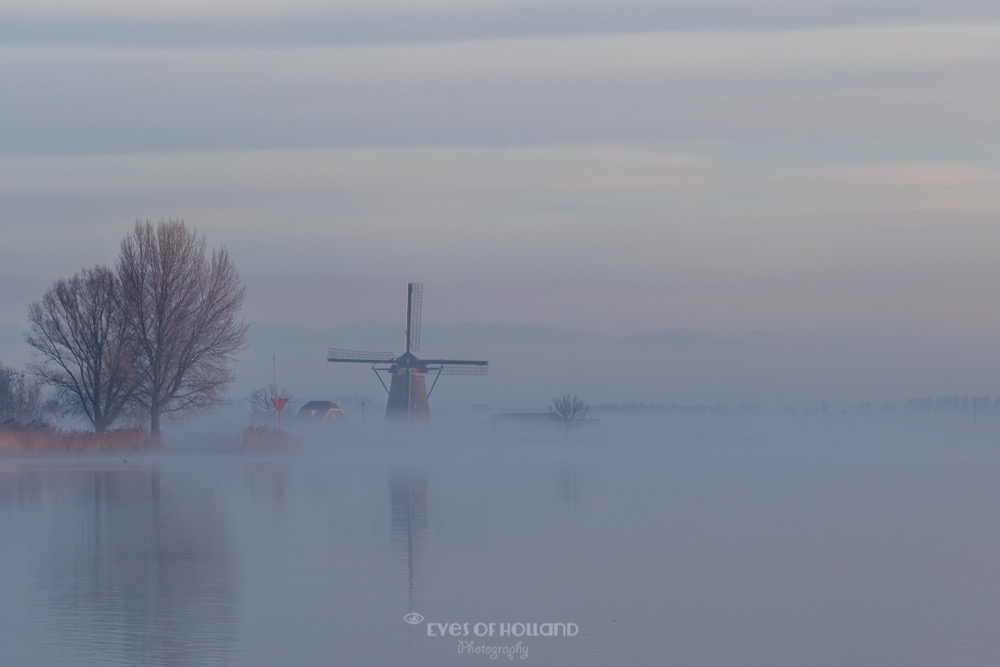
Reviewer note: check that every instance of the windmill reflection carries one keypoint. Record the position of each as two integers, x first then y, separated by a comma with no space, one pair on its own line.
408,499
440,522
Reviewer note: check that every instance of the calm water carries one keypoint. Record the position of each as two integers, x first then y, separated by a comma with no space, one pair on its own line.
741,542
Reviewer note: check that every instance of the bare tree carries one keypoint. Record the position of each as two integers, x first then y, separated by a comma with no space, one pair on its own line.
569,410
20,398
183,308
79,335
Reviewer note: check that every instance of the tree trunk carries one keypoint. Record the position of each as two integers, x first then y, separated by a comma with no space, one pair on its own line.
154,419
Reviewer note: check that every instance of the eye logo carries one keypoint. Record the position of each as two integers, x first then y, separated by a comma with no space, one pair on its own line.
413,618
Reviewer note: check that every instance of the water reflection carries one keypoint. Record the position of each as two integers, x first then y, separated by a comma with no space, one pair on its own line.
569,488
140,561
267,484
408,502
440,524
693,553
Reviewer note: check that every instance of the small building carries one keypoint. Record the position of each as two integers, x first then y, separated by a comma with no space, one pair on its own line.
320,411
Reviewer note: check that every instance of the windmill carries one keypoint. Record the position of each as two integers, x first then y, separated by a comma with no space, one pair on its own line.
408,392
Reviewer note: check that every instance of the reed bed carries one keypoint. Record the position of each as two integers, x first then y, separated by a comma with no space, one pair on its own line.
37,441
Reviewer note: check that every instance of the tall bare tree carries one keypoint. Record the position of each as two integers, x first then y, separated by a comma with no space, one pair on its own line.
569,410
79,334
183,308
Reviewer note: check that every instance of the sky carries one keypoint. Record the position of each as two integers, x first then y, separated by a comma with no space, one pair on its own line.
778,202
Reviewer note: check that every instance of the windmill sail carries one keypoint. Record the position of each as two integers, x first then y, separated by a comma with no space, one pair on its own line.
414,308
446,367
358,356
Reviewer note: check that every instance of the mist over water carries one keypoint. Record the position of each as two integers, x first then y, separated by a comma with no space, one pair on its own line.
689,540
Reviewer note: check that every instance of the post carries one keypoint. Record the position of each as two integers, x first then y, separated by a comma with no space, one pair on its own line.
279,403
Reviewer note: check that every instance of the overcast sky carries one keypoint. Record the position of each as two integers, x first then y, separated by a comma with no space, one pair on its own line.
812,171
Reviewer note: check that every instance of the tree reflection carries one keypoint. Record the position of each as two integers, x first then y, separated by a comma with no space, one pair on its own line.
140,564
569,488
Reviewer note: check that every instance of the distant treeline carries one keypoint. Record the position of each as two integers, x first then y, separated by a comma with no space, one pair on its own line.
971,405
676,408
953,404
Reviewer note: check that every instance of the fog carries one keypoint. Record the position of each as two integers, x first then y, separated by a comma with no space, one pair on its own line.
759,241
531,364
690,539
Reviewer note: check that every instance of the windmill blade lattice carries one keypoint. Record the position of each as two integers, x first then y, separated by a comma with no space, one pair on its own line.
358,356
414,311
460,369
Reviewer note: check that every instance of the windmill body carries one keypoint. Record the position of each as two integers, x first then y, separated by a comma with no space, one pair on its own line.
407,389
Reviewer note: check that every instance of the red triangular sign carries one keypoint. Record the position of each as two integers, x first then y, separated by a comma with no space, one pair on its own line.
279,403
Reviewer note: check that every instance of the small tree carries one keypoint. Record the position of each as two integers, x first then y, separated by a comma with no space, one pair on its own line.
261,401
183,309
569,410
20,397
79,334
